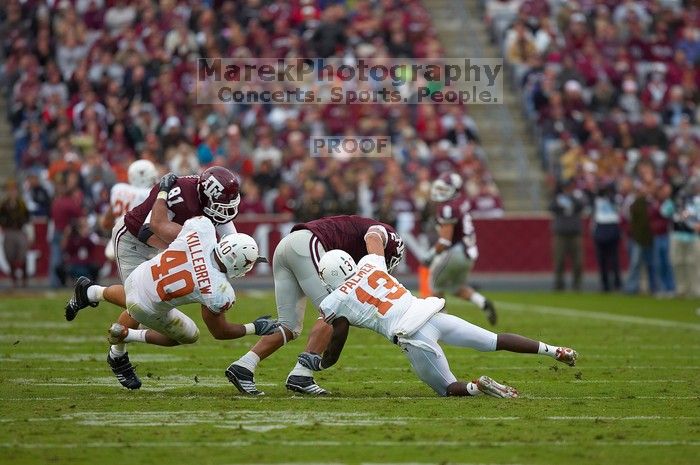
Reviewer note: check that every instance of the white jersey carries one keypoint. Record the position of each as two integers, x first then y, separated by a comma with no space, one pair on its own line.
123,197
184,273
375,300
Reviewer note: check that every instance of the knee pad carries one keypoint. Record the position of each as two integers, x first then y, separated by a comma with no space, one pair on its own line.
189,337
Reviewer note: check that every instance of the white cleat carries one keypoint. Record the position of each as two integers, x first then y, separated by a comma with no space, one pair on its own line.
566,355
116,334
495,389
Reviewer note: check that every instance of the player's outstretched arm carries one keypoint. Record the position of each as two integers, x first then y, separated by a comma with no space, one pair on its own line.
220,328
160,224
341,326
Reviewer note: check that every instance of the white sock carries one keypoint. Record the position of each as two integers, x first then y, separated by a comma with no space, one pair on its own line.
300,370
546,349
473,390
478,299
136,335
249,361
117,350
95,293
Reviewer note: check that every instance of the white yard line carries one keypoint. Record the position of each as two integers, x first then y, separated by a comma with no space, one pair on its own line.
175,382
337,443
574,313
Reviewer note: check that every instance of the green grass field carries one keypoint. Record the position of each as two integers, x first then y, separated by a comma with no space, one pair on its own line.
631,399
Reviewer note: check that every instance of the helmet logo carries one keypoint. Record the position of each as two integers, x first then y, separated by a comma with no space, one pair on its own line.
213,188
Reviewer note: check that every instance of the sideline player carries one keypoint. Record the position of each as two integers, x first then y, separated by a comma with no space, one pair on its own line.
365,295
295,271
193,269
453,256
143,175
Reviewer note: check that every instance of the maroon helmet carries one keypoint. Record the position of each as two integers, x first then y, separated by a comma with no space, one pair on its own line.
445,187
219,192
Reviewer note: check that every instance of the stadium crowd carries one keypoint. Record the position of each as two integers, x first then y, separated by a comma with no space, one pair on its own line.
92,85
612,88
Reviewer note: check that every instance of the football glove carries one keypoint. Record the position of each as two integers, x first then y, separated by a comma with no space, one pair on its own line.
311,361
264,325
167,182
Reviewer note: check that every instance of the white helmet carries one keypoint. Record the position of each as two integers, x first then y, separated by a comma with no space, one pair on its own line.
238,252
335,267
445,187
143,174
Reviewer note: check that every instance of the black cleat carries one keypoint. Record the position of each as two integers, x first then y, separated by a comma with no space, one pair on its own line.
304,385
80,299
124,371
243,379
490,311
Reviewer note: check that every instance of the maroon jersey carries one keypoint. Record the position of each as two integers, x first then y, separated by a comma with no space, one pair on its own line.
456,211
183,203
347,232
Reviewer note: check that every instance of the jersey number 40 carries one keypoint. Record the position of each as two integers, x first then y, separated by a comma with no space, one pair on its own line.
165,280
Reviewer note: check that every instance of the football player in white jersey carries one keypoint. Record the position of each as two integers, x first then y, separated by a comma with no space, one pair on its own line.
365,295
143,175
193,269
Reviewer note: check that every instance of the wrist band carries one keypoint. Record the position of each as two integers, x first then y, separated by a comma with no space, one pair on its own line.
162,195
249,328
445,242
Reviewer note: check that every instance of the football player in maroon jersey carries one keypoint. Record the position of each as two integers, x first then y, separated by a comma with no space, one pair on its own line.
295,270
215,194
455,252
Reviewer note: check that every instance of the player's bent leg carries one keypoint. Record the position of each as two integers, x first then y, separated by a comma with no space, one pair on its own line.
429,364
301,379
319,337
241,373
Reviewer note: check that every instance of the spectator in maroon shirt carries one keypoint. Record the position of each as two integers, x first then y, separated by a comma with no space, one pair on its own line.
285,201
66,206
251,202
79,246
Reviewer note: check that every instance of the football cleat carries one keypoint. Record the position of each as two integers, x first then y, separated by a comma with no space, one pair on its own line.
304,385
490,311
124,371
117,332
80,299
243,379
566,355
495,389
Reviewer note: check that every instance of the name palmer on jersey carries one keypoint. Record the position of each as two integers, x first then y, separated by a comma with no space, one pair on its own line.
375,300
